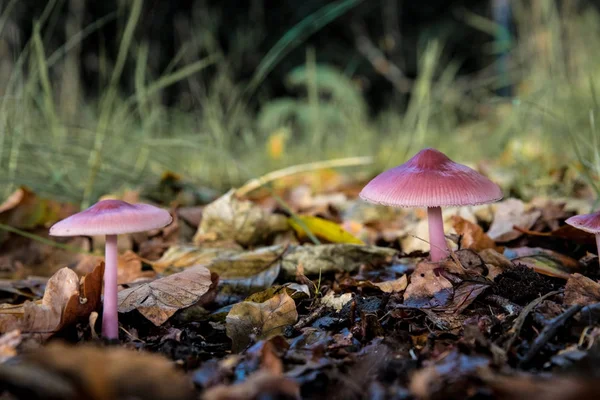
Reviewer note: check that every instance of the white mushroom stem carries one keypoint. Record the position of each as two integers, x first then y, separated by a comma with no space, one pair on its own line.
110,321
437,240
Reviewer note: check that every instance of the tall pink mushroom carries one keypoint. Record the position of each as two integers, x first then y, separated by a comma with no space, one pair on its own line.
431,180
111,218
588,223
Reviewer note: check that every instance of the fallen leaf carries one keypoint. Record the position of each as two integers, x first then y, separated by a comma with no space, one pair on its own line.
129,268
333,258
240,220
261,384
25,210
472,235
61,305
264,320
322,229
465,294
544,261
160,299
58,371
581,290
510,213
336,302
397,285
8,344
427,287
184,256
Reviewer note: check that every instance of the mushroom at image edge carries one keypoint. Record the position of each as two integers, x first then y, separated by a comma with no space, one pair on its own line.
588,223
111,218
431,180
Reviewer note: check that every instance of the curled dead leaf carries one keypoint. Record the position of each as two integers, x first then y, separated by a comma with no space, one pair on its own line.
160,299
264,320
581,290
427,287
472,235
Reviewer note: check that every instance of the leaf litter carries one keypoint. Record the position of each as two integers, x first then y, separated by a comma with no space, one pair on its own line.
236,303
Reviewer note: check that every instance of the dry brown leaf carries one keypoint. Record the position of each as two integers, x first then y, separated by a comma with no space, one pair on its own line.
60,305
258,385
427,287
160,299
129,268
8,344
473,236
265,320
99,373
397,285
183,256
240,220
581,290
495,262
509,213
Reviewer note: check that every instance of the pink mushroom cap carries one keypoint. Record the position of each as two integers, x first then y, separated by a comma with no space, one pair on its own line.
586,222
430,179
112,217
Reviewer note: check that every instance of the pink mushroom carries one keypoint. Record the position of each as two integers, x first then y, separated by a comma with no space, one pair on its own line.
431,180
111,218
587,223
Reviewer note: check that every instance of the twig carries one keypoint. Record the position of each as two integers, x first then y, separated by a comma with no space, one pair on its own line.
507,305
256,183
310,318
520,320
548,332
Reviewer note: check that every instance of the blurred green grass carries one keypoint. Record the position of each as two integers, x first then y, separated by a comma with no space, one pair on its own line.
77,151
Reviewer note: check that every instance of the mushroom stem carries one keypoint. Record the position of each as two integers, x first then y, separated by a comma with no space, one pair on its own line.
437,241
110,322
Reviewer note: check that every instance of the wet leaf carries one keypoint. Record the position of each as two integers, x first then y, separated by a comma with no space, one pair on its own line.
510,213
61,305
160,299
240,220
264,320
333,258
427,287
465,294
100,373
581,290
472,235
322,229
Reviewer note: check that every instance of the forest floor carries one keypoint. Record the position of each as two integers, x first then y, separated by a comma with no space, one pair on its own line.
235,300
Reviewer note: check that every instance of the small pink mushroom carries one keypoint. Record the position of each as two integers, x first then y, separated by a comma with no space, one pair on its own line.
588,223
431,180
111,218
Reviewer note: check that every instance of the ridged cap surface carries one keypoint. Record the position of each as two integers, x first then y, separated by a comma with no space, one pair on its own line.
430,179
586,222
112,217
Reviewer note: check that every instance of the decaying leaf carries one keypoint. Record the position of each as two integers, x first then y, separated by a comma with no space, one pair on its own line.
333,258
581,290
336,302
65,372
240,220
427,287
509,213
264,320
8,344
183,256
397,285
544,261
322,229
160,299
61,305
472,235
24,210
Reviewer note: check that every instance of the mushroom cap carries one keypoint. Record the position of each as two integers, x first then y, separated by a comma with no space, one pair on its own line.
430,179
112,217
586,222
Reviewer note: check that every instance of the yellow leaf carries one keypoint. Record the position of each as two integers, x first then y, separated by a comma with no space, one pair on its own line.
323,229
